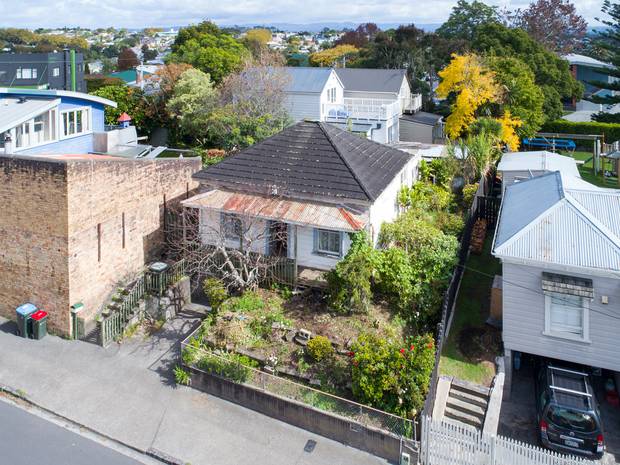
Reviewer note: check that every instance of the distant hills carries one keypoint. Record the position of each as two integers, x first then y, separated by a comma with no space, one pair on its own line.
317,27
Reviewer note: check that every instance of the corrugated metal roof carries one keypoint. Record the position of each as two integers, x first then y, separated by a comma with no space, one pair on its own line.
287,211
543,221
371,80
13,113
311,80
538,161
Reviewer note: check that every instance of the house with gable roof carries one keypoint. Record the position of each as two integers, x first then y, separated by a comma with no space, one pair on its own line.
314,182
559,244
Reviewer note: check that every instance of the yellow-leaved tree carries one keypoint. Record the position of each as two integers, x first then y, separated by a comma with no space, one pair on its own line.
335,56
474,86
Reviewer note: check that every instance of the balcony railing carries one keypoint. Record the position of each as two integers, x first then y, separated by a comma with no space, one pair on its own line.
360,108
411,104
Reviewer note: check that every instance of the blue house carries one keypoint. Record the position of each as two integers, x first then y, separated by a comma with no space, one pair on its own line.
36,122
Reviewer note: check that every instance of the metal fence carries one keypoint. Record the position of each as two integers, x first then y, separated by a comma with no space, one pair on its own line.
451,443
113,325
233,370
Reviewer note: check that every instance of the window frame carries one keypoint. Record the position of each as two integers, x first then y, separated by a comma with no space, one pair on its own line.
86,119
226,219
558,333
56,71
327,252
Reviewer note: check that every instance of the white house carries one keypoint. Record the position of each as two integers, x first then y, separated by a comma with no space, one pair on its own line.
520,166
301,192
365,101
560,250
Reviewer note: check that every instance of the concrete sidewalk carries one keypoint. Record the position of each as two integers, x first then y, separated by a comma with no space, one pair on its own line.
127,392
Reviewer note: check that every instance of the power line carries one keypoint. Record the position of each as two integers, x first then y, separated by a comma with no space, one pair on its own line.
536,291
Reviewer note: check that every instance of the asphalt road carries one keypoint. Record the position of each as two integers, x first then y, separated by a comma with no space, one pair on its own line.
26,439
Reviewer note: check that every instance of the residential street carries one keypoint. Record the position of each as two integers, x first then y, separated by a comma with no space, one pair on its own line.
26,439
126,392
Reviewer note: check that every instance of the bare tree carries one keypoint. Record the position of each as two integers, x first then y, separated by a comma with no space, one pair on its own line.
259,88
241,248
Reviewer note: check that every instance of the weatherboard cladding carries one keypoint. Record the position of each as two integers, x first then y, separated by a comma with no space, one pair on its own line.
311,160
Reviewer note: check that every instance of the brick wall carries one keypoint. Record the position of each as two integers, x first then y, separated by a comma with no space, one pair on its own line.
112,199
61,239
33,237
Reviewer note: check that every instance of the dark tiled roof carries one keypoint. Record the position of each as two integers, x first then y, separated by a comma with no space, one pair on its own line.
311,160
371,80
422,117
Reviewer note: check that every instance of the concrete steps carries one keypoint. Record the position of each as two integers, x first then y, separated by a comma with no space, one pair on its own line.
467,403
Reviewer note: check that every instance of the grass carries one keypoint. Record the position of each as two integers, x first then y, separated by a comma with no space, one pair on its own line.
472,310
587,171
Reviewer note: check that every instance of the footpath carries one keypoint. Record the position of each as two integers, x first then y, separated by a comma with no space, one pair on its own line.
127,393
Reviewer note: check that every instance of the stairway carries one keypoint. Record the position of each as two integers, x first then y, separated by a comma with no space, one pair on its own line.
467,403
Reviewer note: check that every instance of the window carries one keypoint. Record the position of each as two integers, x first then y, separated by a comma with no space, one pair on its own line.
231,226
27,73
75,122
566,316
56,71
328,242
331,95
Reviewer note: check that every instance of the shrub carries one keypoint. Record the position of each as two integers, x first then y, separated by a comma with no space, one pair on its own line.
228,365
611,131
248,302
395,277
349,283
181,376
449,223
215,291
319,348
392,376
469,192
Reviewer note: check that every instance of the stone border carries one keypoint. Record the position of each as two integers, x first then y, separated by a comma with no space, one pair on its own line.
332,426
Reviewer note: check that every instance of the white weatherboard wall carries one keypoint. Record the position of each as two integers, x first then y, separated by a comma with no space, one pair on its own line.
524,319
332,83
305,250
385,210
304,106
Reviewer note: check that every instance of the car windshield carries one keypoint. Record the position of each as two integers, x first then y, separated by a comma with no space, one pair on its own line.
572,419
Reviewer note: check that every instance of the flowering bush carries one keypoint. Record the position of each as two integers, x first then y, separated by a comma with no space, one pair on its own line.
392,376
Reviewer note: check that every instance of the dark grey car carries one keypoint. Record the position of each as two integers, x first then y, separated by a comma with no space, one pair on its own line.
569,419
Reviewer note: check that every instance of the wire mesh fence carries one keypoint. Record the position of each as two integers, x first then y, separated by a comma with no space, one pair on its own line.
230,366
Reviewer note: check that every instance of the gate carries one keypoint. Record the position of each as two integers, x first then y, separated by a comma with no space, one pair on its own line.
452,443
488,208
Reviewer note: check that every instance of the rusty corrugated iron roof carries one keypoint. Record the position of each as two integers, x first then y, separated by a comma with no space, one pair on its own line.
278,209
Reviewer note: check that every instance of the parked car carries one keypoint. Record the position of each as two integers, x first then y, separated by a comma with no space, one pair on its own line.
568,414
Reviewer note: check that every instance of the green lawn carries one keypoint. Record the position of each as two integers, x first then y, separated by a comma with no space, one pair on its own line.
470,314
587,171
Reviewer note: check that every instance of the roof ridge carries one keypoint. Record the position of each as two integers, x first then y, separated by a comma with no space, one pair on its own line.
598,224
322,126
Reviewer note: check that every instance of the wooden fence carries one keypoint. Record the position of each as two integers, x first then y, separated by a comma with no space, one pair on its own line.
452,443
488,208
113,325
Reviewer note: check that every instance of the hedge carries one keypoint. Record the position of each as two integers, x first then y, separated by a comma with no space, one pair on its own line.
610,131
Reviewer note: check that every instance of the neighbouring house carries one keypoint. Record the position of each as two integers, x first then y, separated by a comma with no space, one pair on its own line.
314,182
140,76
365,101
47,122
520,166
427,128
559,245
55,70
588,70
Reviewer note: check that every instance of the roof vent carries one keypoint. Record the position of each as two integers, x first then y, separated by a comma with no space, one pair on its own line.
21,100
274,189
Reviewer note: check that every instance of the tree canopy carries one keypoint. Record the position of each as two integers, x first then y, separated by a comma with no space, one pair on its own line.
551,73
209,49
127,59
466,18
336,56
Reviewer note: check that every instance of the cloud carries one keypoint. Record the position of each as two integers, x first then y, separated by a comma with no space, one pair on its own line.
143,13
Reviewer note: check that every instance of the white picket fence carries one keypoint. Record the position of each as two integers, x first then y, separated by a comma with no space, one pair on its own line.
452,443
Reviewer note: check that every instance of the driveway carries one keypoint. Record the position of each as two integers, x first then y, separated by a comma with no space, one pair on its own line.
518,415
127,392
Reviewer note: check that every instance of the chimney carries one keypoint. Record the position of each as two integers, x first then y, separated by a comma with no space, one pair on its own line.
8,144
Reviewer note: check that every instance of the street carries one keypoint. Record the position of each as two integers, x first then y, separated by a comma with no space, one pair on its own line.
26,439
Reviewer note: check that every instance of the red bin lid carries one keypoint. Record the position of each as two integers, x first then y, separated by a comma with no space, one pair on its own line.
38,315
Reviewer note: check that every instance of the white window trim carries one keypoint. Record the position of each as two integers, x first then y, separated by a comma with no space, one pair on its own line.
585,338
327,253
61,129
53,116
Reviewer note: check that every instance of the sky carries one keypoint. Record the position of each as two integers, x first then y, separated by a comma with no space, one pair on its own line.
142,13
